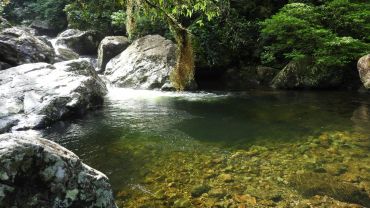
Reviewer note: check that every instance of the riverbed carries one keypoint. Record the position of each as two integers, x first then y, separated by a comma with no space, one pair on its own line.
220,149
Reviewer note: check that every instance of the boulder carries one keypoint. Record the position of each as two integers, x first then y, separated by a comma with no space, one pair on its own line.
20,47
66,54
36,95
81,42
145,64
35,172
363,66
110,47
44,28
305,75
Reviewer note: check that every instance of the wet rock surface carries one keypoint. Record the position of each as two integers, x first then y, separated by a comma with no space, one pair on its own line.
18,46
81,42
145,64
33,96
110,47
363,67
36,172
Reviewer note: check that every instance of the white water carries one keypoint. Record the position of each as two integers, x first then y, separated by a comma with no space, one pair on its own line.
117,94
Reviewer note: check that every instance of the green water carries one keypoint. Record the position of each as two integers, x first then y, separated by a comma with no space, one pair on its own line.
156,147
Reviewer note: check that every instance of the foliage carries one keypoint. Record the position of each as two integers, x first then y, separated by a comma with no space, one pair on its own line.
50,11
144,25
179,15
233,39
3,3
91,14
299,30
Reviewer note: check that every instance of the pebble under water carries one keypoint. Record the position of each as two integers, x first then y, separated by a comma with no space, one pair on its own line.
248,149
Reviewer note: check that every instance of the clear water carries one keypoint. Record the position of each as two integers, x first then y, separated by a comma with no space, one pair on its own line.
146,134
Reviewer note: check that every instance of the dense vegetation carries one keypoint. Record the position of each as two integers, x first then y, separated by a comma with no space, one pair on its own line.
222,33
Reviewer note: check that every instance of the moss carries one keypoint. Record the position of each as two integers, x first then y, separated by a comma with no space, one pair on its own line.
183,74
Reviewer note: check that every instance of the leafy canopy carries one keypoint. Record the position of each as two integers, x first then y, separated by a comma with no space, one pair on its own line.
333,34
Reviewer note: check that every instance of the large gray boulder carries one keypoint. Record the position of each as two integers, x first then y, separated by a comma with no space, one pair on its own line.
81,42
33,96
145,64
35,172
363,66
18,47
305,75
110,47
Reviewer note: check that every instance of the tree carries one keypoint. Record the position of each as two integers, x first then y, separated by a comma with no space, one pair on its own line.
301,30
180,15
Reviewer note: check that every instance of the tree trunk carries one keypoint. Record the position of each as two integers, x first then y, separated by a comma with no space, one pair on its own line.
183,74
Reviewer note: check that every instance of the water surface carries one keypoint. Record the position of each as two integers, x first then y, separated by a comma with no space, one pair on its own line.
153,143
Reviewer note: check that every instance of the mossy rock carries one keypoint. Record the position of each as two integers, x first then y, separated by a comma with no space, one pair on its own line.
304,74
311,184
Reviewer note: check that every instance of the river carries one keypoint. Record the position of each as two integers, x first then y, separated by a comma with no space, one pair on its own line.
160,148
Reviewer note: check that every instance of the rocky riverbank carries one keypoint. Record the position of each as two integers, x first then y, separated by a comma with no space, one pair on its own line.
42,83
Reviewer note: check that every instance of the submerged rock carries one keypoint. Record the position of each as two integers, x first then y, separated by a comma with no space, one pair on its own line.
110,47
36,172
145,64
39,94
81,42
311,184
18,47
197,191
363,66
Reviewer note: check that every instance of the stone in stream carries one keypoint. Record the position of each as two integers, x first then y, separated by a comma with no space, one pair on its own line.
146,64
81,42
35,172
363,66
18,46
66,54
33,96
304,74
44,28
110,47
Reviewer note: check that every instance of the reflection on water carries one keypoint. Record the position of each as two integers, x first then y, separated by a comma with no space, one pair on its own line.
146,141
